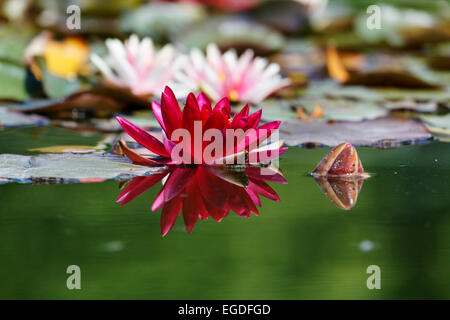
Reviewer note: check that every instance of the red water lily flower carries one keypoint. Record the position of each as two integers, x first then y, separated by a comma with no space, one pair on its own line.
203,191
198,119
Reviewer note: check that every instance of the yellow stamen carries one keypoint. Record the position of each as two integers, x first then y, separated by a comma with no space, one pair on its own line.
222,76
233,95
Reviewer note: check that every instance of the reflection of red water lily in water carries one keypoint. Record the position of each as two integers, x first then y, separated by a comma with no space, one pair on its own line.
204,135
203,191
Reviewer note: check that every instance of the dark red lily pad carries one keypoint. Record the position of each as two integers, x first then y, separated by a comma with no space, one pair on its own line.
382,132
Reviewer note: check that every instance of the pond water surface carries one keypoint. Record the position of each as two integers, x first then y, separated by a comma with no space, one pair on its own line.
303,247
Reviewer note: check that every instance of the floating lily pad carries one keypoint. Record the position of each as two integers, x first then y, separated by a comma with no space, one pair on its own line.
382,132
97,102
232,33
13,81
401,26
13,42
333,109
68,168
159,19
390,78
411,105
287,16
64,149
56,87
334,90
382,71
9,118
438,125
345,110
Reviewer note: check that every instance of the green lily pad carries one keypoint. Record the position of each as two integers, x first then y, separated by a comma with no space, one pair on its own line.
438,125
159,19
334,90
69,168
333,109
13,42
232,33
13,79
345,110
56,87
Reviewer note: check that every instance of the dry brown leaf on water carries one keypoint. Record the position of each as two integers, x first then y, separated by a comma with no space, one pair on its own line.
317,112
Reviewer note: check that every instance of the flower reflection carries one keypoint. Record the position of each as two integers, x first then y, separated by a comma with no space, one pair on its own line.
202,191
342,191
340,175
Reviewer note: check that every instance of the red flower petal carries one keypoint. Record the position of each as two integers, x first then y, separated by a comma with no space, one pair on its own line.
224,106
171,112
138,187
156,107
177,181
191,113
135,157
169,215
143,137
203,101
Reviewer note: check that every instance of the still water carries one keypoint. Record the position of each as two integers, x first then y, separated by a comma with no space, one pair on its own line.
303,247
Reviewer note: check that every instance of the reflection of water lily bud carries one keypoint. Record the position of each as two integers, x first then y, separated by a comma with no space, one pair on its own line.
343,192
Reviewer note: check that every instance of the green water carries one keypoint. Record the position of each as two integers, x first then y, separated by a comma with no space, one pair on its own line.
300,248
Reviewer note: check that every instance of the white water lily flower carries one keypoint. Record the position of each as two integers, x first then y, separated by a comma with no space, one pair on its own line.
245,78
136,65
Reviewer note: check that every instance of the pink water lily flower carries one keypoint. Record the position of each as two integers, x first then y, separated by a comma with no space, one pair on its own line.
135,64
198,116
245,78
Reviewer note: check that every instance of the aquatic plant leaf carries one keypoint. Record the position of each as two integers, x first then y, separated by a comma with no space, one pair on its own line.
54,86
232,33
390,78
344,110
11,118
411,105
395,75
333,90
65,149
382,132
160,19
287,16
69,168
98,102
13,81
438,125
13,42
